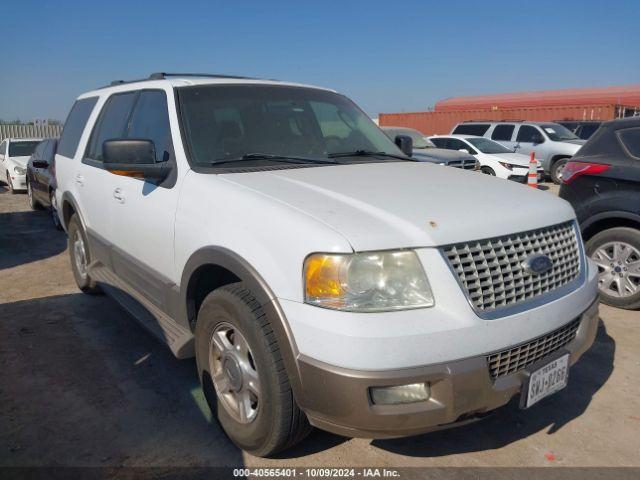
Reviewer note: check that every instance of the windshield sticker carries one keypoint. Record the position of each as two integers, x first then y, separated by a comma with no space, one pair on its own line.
550,130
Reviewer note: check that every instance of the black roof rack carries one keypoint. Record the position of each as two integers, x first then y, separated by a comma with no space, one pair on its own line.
494,121
164,75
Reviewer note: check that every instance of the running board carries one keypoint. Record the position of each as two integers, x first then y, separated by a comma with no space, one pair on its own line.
178,338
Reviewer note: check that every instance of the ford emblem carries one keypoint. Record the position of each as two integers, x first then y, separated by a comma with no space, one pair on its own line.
537,264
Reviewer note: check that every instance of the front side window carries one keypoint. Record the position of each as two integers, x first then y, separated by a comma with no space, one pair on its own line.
440,142
502,132
630,139
112,123
150,120
488,146
478,129
224,123
557,132
22,149
457,144
74,126
528,134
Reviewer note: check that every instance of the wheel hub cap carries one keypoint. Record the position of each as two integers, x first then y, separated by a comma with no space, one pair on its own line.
618,269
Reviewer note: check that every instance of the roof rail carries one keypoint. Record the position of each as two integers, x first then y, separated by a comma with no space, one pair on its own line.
164,75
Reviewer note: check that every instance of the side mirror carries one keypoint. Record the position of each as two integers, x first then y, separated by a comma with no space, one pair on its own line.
404,143
40,164
538,139
133,157
463,150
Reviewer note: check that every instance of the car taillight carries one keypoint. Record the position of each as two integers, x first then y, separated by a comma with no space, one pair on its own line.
573,170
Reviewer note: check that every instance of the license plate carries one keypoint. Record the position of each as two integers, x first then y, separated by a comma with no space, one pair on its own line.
546,380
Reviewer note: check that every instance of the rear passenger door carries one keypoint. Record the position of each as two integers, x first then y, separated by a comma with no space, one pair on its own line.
143,212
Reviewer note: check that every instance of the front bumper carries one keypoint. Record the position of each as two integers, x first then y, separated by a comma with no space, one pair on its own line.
19,182
338,400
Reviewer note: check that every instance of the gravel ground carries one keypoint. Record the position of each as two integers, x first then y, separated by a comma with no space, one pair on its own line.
81,384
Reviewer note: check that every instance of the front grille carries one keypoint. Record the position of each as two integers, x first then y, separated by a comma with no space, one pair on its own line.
464,164
516,358
492,274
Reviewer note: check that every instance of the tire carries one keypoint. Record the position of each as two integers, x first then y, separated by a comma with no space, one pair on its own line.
273,422
10,185
488,171
33,203
556,170
618,287
77,250
54,210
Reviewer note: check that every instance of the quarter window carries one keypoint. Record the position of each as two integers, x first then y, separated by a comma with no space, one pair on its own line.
630,138
74,126
502,132
528,134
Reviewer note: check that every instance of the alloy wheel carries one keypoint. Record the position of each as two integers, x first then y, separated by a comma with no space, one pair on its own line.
79,254
618,269
234,373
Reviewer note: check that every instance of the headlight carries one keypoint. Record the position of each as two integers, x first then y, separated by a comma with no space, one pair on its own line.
367,282
506,165
19,170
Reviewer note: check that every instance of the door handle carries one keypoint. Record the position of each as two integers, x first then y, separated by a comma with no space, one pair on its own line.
118,195
79,179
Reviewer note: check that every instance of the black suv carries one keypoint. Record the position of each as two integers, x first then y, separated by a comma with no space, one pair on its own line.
602,182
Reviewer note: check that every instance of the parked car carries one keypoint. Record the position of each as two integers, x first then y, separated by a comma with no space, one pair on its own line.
425,151
319,276
41,178
602,183
14,154
582,128
553,144
494,159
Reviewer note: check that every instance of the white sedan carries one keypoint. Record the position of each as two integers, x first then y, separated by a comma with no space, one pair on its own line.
14,155
494,159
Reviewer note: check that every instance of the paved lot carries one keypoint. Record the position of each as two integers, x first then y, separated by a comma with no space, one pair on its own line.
82,384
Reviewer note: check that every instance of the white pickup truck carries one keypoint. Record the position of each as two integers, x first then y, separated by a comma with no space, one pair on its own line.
319,275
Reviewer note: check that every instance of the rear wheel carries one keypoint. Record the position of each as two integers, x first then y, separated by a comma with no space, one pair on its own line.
80,256
488,171
33,203
616,251
556,170
242,373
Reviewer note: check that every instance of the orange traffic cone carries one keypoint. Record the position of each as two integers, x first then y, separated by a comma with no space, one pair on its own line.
532,178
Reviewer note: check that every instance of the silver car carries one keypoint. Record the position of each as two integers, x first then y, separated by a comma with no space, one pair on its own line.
425,150
552,143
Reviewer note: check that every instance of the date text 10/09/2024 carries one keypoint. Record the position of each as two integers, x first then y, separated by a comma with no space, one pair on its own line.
317,472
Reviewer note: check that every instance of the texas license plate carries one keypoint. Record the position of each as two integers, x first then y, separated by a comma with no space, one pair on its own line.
546,380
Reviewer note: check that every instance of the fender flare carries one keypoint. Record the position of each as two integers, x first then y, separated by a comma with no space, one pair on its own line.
223,257
610,215
68,197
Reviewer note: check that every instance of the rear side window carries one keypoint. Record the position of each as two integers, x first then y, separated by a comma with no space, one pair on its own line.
478,129
502,132
74,126
630,139
150,120
528,134
112,122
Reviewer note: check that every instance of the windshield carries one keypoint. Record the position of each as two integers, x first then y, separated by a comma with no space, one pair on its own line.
488,146
22,149
418,140
558,133
224,123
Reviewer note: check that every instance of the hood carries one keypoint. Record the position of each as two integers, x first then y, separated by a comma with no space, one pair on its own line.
514,158
378,206
440,155
21,161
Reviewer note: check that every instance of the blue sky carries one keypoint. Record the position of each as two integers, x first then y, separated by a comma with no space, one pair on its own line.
387,56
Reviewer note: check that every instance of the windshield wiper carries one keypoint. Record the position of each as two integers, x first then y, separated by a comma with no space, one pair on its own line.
276,158
367,153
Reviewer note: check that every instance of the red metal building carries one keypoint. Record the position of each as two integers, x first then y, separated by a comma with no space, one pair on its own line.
575,104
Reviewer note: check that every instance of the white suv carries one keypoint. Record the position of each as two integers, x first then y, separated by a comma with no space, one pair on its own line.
318,275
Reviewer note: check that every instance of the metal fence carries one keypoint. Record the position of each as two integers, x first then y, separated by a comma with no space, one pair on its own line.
29,131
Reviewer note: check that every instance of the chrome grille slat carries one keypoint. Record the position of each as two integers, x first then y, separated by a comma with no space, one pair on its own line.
521,356
491,272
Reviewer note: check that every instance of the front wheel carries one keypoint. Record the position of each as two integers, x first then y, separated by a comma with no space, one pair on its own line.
616,251
488,171
556,170
80,256
54,210
33,203
243,375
